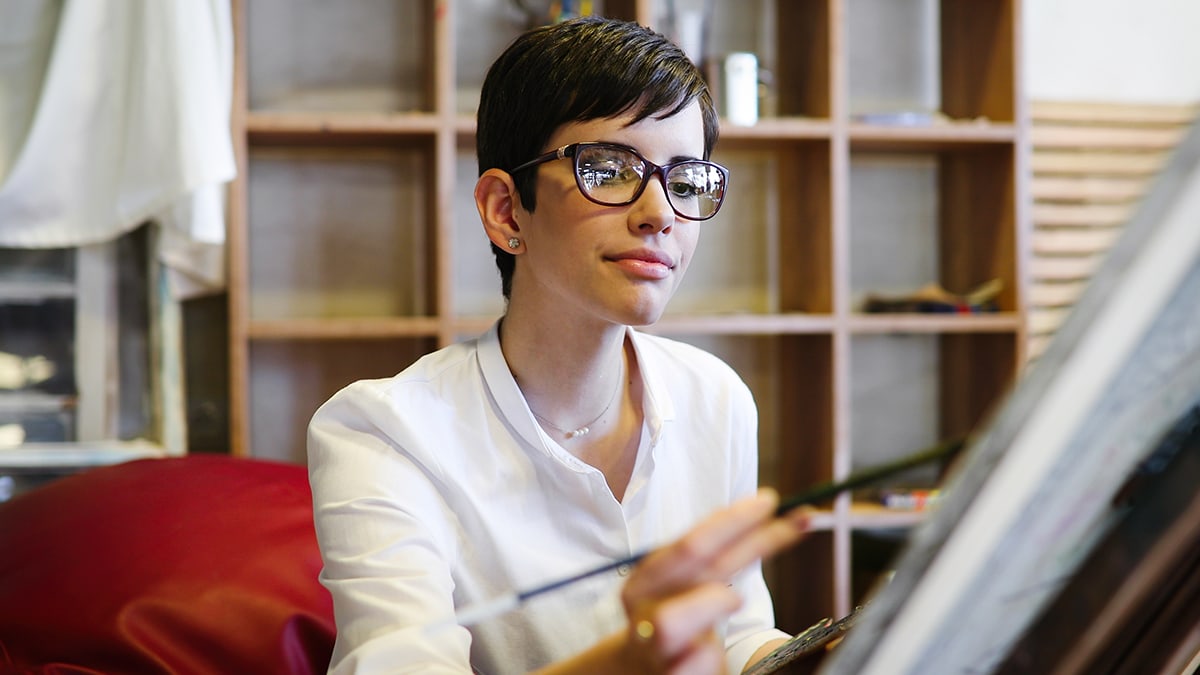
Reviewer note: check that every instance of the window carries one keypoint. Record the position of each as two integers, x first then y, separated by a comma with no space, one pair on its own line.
82,367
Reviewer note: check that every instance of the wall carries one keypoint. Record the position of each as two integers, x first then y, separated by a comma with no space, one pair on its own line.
1112,50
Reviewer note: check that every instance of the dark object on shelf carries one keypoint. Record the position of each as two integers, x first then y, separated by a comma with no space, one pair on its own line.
906,499
545,12
933,299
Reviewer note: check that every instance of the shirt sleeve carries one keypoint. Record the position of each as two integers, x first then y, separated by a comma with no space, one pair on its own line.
377,516
754,624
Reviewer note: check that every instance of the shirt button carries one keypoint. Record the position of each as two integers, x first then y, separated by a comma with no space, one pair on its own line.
624,570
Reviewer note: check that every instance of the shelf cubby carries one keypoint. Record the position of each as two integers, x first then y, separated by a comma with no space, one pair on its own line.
355,246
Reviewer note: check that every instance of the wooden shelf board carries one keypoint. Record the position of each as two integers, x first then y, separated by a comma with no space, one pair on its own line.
931,137
867,516
803,324
343,328
768,129
778,128
471,325
745,324
712,324
998,322
822,520
267,125
464,125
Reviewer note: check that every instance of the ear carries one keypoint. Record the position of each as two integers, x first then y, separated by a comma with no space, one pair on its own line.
497,200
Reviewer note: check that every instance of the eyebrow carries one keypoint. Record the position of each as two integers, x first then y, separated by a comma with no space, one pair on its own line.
673,160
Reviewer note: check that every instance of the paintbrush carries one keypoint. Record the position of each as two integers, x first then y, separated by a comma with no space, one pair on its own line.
476,613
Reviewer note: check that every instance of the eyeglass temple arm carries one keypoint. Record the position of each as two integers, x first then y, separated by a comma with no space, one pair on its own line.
541,159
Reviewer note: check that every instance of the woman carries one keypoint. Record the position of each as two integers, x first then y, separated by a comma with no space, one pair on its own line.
562,439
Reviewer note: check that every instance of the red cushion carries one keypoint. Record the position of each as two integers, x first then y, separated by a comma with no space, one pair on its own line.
198,564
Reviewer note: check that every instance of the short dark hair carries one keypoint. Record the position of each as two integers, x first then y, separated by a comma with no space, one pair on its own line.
583,69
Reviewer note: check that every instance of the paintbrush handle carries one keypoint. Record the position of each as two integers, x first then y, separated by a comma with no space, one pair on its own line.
824,491
607,567
820,493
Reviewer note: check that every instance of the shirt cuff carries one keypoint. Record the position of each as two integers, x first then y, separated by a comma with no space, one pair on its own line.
737,655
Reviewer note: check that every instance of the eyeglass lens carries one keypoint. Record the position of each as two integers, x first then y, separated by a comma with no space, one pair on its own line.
614,177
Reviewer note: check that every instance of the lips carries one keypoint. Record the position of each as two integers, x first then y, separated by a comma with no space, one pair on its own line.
647,256
645,264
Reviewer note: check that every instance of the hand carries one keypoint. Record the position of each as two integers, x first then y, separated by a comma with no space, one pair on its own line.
677,596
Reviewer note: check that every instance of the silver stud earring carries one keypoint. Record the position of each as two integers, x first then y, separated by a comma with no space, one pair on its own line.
514,243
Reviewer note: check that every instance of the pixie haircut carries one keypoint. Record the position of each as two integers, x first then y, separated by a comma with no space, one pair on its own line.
582,69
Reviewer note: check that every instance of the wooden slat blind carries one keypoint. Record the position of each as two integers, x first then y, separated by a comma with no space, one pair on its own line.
1091,164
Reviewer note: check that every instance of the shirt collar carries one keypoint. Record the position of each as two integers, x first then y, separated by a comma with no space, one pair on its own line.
657,405
503,388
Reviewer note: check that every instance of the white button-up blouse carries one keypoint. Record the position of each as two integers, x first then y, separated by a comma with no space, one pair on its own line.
437,489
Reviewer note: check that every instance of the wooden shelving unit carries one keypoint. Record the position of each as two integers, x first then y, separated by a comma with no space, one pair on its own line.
355,247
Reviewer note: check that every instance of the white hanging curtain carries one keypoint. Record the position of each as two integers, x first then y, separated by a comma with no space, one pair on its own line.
114,113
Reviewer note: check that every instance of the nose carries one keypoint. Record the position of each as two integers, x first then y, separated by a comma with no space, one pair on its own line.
652,212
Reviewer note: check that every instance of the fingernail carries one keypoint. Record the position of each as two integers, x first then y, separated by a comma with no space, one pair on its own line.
767,494
801,516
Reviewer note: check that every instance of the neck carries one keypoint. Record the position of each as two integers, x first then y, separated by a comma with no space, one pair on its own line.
568,371
570,378
578,430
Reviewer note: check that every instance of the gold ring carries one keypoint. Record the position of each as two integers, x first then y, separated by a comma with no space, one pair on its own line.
644,629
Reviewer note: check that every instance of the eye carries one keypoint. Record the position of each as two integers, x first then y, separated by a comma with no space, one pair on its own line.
612,172
607,168
693,180
685,190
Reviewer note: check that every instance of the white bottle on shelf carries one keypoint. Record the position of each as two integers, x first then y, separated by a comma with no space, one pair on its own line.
741,88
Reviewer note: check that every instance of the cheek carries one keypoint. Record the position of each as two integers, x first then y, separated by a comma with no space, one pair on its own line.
688,240
564,216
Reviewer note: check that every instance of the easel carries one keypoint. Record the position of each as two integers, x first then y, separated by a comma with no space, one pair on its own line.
1043,557
1134,605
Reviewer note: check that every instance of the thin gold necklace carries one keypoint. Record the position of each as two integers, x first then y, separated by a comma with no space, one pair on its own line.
586,429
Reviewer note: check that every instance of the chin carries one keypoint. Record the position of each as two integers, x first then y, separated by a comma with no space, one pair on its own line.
641,309
644,317
641,324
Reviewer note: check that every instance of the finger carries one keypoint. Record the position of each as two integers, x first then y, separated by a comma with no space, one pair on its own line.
743,535
678,564
705,657
761,542
682,620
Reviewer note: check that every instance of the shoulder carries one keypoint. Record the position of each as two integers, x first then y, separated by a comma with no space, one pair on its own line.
398,415
435,377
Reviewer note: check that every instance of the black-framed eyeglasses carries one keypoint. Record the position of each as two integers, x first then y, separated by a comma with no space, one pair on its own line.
615,175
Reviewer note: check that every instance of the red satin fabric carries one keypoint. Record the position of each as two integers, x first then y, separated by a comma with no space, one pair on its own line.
198,564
